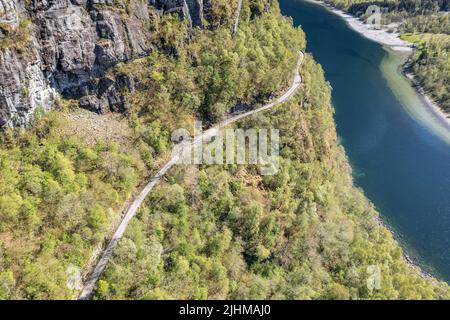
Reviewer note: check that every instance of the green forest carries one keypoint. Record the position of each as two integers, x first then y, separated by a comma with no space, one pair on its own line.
426,23
226,232
62,191
205,232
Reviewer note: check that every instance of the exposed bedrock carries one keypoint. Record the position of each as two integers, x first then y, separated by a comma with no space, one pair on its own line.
52,48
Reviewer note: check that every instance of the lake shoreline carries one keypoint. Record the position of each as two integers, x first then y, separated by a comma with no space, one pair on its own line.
382,36
392,41
431,106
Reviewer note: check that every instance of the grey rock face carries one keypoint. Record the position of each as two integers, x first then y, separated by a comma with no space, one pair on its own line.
70,46
50,48
190,9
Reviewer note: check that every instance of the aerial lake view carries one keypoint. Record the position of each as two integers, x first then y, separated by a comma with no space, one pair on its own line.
209,151
400,155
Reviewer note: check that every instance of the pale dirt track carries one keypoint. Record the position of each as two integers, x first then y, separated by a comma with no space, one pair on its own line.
89,284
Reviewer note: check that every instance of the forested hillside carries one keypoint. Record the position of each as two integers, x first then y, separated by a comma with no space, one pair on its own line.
208,232
226,232
67,178
426,23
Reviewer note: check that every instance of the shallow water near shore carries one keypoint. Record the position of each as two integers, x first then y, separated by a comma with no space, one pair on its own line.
414,104
399,149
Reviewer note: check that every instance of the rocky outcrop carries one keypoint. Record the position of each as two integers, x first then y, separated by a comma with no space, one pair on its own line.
67,47
22,82
191,9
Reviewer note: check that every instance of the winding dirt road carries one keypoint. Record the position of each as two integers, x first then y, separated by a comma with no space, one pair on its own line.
89,284
238,17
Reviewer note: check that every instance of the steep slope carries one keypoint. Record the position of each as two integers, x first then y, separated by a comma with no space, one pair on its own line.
228,232
67,178
67,48
207,232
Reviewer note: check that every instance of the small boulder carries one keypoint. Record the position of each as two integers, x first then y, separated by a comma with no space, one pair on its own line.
94,104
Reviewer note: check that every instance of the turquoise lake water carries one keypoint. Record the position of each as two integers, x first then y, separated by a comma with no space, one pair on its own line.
400,154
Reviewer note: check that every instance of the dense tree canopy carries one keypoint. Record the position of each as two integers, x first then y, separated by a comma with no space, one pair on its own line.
208,232
226,232
61,194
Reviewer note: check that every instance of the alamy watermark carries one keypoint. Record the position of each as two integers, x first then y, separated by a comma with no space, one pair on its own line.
228,146
374,16
373,281
74,278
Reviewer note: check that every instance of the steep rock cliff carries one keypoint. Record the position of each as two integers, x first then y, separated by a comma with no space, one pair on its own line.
66,47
